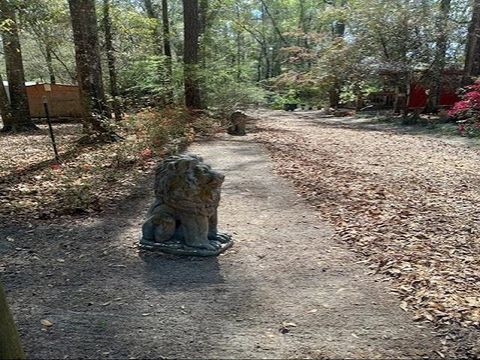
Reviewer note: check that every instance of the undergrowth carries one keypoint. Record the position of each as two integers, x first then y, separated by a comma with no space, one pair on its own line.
97,176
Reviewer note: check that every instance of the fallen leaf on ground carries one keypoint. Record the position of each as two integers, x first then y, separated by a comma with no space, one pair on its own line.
46,322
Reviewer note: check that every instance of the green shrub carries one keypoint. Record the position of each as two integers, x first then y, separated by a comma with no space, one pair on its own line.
78,197
225,95
158,128
143,81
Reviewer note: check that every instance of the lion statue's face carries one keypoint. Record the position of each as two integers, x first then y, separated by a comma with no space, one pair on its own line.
207,177
185,181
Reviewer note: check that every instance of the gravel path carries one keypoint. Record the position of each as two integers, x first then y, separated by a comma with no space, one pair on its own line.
286,289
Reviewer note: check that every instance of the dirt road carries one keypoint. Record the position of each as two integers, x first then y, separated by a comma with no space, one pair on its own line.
287,288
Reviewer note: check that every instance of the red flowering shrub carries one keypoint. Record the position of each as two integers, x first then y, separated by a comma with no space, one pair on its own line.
467,111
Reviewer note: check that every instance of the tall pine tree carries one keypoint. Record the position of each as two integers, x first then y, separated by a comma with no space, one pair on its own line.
191,19
20,113
88,64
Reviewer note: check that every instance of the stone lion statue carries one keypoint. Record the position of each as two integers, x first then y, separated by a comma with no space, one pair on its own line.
238,123
183,218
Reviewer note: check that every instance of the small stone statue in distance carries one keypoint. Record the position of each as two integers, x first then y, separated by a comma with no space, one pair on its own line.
183,218
238,123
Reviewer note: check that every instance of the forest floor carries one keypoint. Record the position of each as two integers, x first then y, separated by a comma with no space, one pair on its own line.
384,265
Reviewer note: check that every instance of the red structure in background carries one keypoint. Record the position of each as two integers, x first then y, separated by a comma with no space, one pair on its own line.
418,97
390,97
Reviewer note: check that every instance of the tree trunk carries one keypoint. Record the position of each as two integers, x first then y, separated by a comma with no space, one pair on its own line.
5,110
152,14
405,77
239,48
339,25
167,50
266,11
303,25
440,53
338,28
48,59
472,50
203,15
203,36
10,347
402,96
89,69
267,54
259,66
264,48
191,54
107,27
334,95
20,119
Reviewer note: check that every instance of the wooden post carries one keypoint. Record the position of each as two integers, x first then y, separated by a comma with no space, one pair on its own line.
50,128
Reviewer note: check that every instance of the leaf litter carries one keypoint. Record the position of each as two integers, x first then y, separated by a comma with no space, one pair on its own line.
89,178
410,204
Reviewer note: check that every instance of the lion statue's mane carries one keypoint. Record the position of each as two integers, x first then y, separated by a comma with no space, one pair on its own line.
187,183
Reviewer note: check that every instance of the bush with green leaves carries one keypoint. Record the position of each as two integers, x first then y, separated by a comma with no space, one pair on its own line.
159,128
351,90
294,88
144,82
279,100
224,95
78,197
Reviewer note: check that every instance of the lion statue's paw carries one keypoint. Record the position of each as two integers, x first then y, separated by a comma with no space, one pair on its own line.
222,237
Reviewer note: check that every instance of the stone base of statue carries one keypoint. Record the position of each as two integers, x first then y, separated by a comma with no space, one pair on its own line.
183,218
177,247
